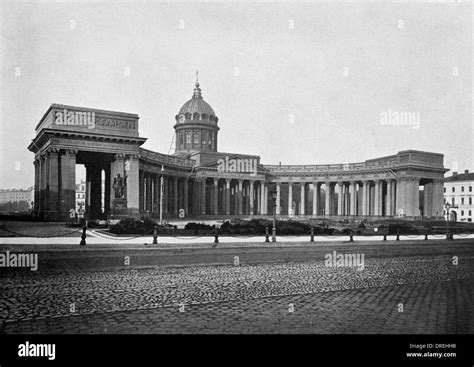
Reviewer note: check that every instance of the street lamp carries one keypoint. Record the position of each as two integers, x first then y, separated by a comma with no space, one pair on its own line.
274,197
161,195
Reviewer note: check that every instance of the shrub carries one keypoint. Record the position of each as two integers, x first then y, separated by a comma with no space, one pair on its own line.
193,226
135,226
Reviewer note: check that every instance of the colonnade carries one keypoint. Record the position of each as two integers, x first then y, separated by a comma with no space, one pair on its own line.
184,196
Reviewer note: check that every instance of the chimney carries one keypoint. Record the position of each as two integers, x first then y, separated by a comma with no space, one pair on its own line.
466,171
455,174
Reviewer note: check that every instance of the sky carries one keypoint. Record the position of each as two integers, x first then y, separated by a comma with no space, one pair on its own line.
296,83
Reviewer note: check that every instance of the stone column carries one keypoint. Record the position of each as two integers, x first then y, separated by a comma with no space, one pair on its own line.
239,196
40,185
259,199
141,190
353,198
278,199
36,194
166,194
339,198
147,192
203,196
365,198
44,182
290,198
216,196
227,196
68,182
186,197
195,198
400,197
388,199
265,199
415,198
437,198
262,197
377,202
53,180
302,201
315,198
328,198
251,198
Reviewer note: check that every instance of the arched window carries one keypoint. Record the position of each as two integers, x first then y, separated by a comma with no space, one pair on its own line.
196,138
196,116
188,137
188,116
204,139
181,139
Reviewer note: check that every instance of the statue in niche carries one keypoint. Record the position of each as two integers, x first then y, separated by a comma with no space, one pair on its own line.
119,186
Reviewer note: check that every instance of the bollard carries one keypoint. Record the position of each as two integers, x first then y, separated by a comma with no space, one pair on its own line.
351,236
385,236
398,235
216,235
155,235
312,234
83,237
266,234
426,235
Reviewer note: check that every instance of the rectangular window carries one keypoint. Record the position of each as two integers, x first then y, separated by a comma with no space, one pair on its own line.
181,139
470,201
204,139
462,201
453,189
188,137
470,188
444,189
462,188
196,138
452,202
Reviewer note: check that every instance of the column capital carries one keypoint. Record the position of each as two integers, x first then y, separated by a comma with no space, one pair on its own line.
70,151
131,156
52,151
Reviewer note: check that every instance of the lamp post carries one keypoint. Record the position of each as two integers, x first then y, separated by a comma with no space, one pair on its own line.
274,197
447,207
161,195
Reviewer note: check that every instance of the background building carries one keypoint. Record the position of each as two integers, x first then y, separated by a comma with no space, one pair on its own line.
16,199
458,192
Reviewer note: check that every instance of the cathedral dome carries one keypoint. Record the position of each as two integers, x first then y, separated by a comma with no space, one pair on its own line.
197,109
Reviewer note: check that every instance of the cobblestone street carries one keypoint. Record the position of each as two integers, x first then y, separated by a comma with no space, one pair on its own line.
390,295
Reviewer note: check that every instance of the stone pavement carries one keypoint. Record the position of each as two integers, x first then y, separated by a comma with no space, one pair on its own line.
391,295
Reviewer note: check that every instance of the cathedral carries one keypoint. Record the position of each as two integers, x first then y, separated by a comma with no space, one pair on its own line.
199,181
